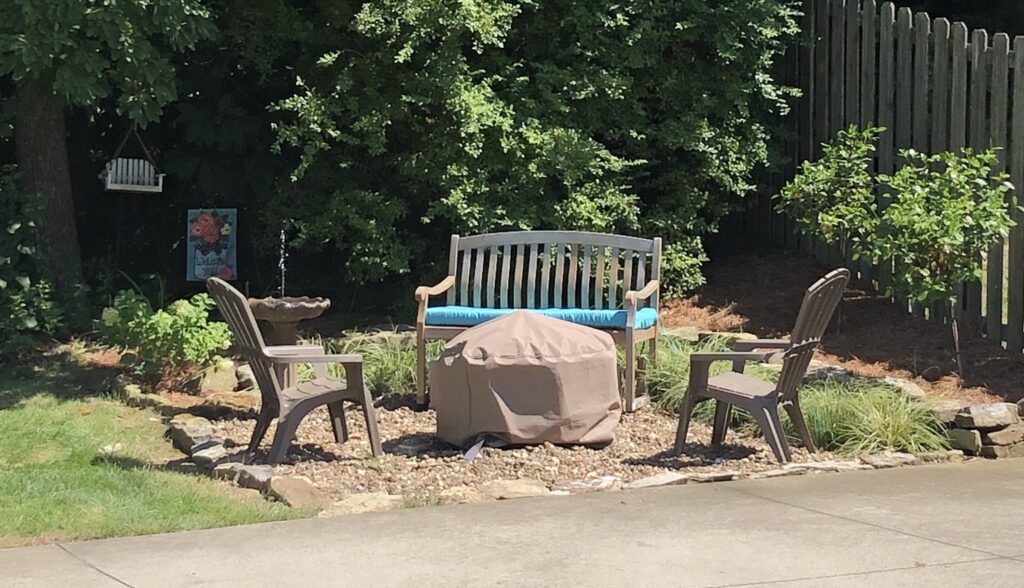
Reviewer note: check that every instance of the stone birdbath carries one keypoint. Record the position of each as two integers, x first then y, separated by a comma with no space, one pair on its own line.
282,317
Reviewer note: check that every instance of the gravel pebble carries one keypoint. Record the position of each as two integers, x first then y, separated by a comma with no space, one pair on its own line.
418,465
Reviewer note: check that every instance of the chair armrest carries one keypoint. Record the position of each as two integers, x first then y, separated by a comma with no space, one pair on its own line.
708,357
644,293
424,292
313,354
752,344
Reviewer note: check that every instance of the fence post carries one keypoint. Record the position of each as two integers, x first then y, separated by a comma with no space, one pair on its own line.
1000,87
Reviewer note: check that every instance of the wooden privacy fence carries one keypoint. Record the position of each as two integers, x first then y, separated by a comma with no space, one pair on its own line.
935,86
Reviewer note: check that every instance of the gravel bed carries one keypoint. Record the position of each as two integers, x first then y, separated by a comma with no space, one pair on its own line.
418,465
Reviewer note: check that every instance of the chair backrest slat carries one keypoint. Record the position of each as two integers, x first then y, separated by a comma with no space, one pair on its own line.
585,278
248,339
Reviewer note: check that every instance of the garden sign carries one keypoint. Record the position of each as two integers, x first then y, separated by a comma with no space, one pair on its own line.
212,244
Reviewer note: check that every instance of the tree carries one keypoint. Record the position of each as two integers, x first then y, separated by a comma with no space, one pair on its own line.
63,53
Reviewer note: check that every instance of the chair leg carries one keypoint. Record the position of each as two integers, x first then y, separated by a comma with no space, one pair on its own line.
797,418
262,424
370,414
286,427
685,412
421,367
338,423
767,418
629,383
722,411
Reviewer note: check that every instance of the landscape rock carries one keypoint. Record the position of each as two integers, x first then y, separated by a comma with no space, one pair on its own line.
777,473
364,502
112,448
987,417
932,374
460,495
218,378
662,479
890,460
229,471
221,404
1001,451
964,439
187,430
713,477
951,456
828,372
159,403
827,466
1008,436
945,411
256,477
208,453
908,387
297,493
593,484
1020,407
508,489
245,377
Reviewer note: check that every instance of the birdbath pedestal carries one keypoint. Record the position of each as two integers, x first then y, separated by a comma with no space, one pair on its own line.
282,317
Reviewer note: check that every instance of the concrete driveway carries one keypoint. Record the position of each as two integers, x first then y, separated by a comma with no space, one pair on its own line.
922,526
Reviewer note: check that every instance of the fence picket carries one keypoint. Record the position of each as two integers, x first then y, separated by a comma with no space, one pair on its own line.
852,62
978,140
919,110
1015,271
1000,80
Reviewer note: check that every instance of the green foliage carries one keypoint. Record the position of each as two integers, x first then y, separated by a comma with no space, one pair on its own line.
27,309
834,197
945,211
177,338
91,50
854,416
426,117
389,359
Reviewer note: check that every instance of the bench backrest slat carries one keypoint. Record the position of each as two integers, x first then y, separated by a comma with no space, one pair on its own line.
563,269
585,279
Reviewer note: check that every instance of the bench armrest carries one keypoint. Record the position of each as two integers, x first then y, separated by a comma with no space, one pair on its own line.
424,292
633,296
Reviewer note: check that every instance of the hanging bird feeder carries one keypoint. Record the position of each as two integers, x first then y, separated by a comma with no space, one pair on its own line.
124,174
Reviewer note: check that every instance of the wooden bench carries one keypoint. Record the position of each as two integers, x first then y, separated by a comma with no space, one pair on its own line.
609,282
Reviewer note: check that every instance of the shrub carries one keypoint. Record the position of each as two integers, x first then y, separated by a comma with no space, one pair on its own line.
426,117
176,339
27,307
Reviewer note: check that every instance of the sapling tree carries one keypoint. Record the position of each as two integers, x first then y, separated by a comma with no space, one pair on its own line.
944,213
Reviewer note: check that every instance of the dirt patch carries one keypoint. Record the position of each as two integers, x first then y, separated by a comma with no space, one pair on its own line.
761,294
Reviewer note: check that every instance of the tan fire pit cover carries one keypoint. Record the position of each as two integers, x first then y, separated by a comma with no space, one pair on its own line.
526,378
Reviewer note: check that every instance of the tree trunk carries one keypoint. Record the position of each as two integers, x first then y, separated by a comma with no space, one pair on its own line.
41,145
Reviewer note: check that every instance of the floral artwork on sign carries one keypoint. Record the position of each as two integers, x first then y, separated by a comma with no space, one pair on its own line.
212,244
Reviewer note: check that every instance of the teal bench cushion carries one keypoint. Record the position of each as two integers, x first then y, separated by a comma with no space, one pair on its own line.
467,316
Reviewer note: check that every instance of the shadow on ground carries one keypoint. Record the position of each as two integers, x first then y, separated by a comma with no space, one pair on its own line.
60,372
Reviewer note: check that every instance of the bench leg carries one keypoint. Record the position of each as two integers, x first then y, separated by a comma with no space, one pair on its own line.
629,383
421,366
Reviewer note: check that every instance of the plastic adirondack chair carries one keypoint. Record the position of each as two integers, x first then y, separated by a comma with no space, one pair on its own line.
762,399
290,405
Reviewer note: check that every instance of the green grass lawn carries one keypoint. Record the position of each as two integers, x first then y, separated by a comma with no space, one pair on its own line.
57,483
